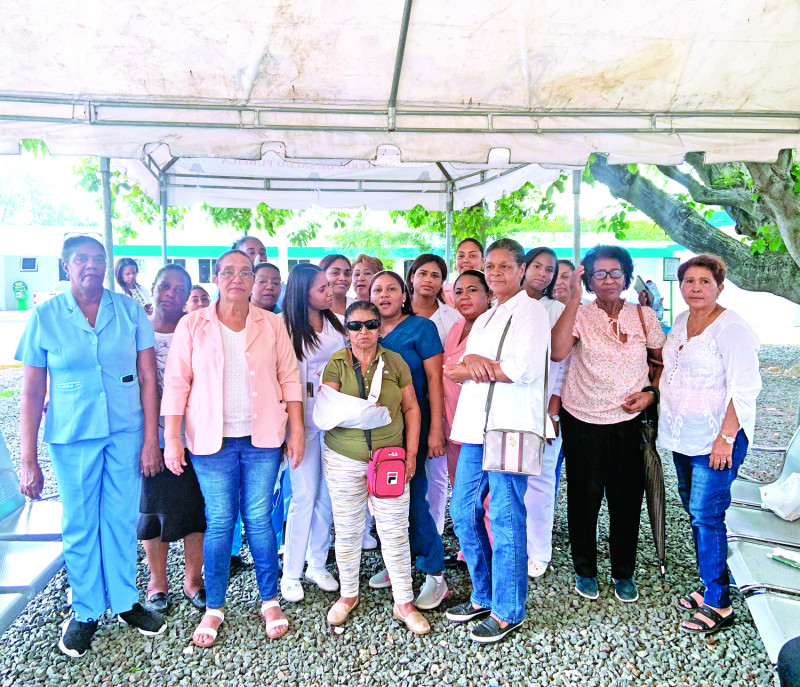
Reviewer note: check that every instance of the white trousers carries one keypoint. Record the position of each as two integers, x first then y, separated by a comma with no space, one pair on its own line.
436,470
348,487
540,506
308,523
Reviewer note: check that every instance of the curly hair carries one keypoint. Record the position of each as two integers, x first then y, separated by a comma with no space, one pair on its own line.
612,253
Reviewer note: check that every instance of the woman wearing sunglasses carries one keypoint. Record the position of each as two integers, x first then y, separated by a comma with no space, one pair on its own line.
347,453
316,333
233,374
417,341
605,390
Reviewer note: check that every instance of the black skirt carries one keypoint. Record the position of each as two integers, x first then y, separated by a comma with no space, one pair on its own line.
171,506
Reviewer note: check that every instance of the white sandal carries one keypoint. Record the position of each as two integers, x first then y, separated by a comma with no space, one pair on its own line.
272,624
208,631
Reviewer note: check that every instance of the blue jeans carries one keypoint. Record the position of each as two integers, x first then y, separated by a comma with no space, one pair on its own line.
425,540
280,504
238,478
499,578
706,495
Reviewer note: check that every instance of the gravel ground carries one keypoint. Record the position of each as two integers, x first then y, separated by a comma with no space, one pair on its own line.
565,640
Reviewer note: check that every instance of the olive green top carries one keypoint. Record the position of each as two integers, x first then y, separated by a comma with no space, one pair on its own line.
396,376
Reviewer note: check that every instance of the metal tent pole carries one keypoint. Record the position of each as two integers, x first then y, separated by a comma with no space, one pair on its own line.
108,237
448,247
162,188
576,217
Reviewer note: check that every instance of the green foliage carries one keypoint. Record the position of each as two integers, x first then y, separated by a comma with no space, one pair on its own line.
137,202
354,238
768,238
507,216
35,146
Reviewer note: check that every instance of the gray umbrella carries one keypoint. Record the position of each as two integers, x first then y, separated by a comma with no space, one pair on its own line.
654,484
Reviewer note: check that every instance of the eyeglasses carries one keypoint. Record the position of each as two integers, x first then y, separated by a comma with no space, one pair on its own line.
230,274
356,325
82,259
602,274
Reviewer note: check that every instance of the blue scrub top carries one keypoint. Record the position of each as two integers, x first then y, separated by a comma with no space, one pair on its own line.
416,339
94,388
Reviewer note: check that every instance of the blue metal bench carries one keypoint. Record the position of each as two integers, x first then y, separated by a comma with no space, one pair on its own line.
30,543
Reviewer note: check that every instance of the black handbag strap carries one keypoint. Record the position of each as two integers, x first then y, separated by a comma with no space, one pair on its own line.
491,384
362,392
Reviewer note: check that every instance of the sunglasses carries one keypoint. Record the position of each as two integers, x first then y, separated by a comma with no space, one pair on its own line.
356,325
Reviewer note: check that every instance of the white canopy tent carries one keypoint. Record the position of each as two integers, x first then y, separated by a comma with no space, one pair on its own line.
549,81
542,82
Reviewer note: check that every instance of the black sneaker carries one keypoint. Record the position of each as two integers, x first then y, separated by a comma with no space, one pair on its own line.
238,564
76,637
149,623
465,612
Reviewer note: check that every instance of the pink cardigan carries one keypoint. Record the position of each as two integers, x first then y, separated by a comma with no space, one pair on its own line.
193,378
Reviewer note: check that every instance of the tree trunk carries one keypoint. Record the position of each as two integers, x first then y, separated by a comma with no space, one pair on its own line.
770,272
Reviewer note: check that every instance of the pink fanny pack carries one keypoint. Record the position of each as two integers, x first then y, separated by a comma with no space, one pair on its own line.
386,472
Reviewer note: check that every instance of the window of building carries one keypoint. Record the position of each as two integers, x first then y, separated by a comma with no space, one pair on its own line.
292,263
181,262
206,269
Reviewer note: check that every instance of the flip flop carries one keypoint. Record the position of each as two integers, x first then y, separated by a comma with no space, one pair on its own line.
719,622
208,631
272,624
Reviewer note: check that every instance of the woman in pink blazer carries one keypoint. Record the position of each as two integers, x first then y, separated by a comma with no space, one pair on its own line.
232,373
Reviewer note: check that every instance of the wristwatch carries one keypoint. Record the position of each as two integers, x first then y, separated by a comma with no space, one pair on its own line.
727,439
554,417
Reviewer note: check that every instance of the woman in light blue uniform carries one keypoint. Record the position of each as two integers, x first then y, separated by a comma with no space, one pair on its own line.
102,430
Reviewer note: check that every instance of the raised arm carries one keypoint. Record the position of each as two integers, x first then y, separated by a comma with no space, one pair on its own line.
562,338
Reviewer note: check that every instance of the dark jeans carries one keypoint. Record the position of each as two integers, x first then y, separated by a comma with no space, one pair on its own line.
603,460
426,542
706,495
789,663
499,571
238,478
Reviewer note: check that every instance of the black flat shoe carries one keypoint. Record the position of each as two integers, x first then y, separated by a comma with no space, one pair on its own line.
489,631
465,612
158,602
238,564
704,627
198,600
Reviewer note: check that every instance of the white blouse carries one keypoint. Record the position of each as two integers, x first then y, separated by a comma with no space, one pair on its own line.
313,363
444,318
701,376
516,406
236,405
554,309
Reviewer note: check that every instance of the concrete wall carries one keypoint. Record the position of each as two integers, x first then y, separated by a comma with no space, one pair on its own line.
43,279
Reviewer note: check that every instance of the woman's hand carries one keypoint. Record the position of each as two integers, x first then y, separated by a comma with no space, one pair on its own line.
436,443
553,409
456,373
411,466
721,456
174,456
637,402
576,284
151,459
295,448
480,369
31,479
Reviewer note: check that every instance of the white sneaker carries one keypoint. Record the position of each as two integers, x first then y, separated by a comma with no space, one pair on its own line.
536,568
368,543
433,592
380,580
323,579
291,590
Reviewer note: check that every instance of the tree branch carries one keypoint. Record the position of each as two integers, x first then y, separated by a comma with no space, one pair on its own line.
776,186
771,272
710,196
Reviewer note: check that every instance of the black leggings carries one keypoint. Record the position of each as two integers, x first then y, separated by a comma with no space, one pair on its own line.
603,459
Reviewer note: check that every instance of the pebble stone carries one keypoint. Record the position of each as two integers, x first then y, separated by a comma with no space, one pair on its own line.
565,640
